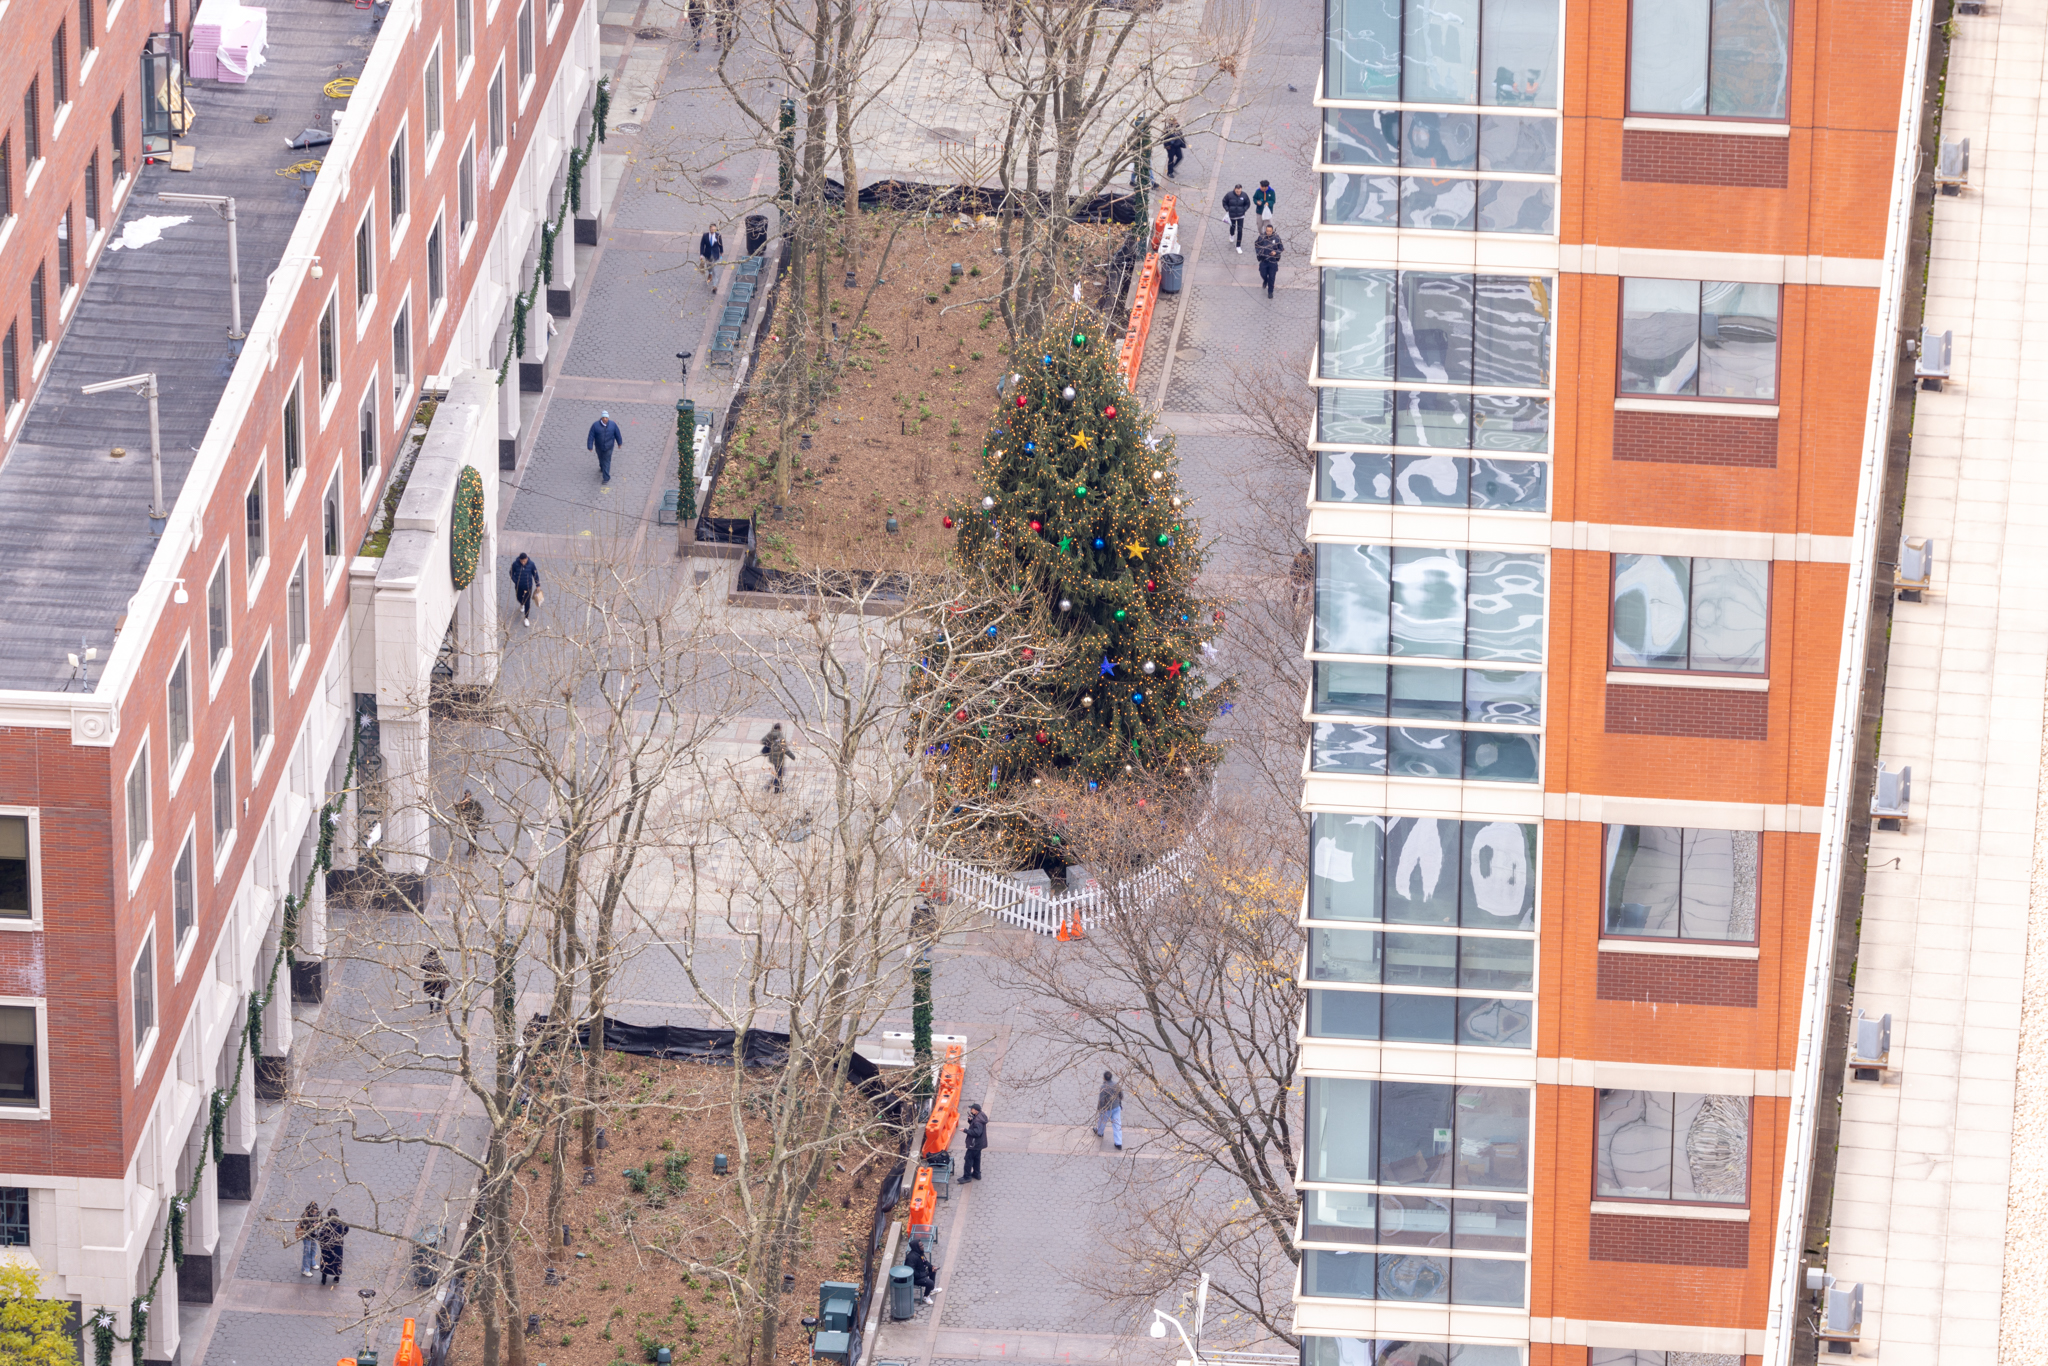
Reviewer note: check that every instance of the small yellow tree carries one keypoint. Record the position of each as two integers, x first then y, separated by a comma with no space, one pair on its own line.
33,1331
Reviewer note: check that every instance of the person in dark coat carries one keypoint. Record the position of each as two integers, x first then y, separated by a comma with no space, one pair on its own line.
776,747
924,1274
469,817
1236,204
434,981
710,251
696,25
309,1245
1269,246
1109,1109
977,1139
526,585
605,437
1264,200
1176,145
332,1231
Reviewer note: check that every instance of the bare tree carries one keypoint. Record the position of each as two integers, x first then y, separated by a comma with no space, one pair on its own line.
1187,984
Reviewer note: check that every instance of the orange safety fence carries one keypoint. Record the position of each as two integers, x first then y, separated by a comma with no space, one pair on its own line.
408,1346
1130,352
924,1203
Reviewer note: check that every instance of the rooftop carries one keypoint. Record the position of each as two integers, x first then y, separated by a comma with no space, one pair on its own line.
74,554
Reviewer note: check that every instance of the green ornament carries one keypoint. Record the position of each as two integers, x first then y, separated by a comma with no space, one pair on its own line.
1119,614
1080,339
1065,541
1080,490
1164,539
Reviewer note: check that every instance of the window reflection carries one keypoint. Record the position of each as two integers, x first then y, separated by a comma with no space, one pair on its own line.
1418,870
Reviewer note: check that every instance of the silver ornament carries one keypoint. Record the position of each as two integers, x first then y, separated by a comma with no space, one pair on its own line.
1066,604
1150,667
988,505
1158,475
1087,700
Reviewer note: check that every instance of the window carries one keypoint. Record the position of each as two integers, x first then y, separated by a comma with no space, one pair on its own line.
294,436
224,796
60,70
217,615
1483,331
14,1228
366,263
1422,479
401,352
330,526
184,896
38,312
1429,603
1657,1145
17,874
496,105
1422,871
366,436
32,121
1705,615
1411,1137
1431,170
296,636
433,88
1400,1352
178,708
259,704
20,1070
88,39
252,508
437,269
465,32
117,161
328,360
1497,52
1713,58
64,280
398,183
525,30
92,194
465,187
138,804
1667,883
1707,338
7,176
10,371
144,978
1648,1356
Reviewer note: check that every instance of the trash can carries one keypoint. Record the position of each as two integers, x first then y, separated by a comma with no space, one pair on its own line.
1169,272
902,1294
757,233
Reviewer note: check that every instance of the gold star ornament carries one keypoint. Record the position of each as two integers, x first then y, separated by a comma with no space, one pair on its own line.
1081,441
1136,550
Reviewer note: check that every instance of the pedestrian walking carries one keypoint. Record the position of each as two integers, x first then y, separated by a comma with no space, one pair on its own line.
332,1231
710,251
777,749
526,586
309,1246
977,1139
469,818
696,10
1109,1110
1269,246
605,437
1176,145
1235,205
1264,200
434,981
924,1272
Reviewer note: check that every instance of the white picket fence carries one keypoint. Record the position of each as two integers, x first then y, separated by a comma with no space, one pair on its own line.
1008,898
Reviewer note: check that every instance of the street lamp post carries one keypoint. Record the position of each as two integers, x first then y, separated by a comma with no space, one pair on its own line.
224,205
144,385
1160,1318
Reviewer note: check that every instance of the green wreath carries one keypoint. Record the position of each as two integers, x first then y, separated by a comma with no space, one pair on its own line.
466,536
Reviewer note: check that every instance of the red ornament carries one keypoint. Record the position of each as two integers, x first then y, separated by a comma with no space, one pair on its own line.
1110,411
1038,526
960,715
1141,803
1027,653
1149,585
1042,738
1020,400
948,521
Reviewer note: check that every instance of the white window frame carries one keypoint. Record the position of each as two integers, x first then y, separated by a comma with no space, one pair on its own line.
330,576
182,760
296,664
399,226
437,308
222,847
402,399
367,493
293,482
181,949
259,758
465,24
34,920
217,668
145,1047
331,310
366,303
523,27
42,1110
260,570
465,233
138,851
500,151
434,109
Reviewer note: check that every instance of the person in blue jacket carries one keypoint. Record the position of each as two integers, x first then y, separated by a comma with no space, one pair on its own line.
605,437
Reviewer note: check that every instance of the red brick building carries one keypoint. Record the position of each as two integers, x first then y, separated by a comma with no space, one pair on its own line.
177,692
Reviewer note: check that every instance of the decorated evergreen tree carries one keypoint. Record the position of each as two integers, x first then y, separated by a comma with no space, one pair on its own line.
1082,518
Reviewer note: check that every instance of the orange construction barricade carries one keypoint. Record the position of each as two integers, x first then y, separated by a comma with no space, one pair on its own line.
924,1204
408,1346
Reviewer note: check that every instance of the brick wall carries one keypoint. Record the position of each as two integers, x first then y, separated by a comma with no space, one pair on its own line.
1696,439
1704,159
1669,1242
1678,980
1700,713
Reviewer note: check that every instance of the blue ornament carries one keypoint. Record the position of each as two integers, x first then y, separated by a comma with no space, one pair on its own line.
1137,697
1030,446
1098,543
1048,360
1108,669
1091,784
1227,706
991,632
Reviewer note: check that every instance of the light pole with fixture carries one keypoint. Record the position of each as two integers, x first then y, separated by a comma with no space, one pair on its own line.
1160,1318
144,385
224,205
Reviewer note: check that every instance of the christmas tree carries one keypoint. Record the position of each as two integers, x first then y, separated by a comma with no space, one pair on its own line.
1082,523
